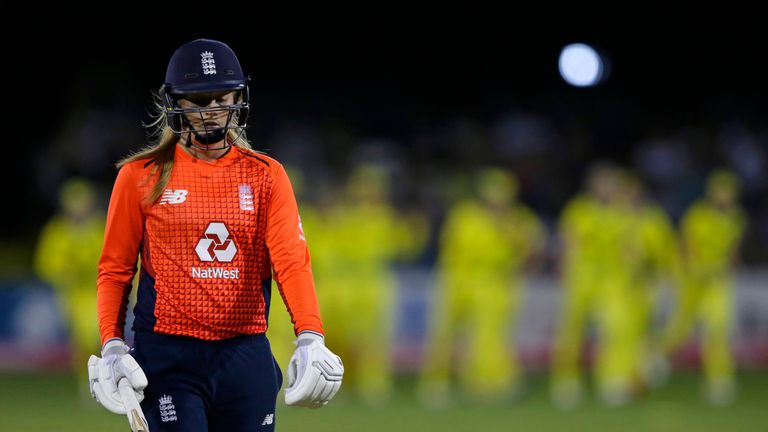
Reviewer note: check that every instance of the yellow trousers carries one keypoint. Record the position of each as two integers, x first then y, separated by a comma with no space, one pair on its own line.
79,309
473,324
643,299
709,301
358,318
607,303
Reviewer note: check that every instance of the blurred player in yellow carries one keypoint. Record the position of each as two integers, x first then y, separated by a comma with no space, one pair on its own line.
657,262
362,237
485,243
597,273
66,258
712,229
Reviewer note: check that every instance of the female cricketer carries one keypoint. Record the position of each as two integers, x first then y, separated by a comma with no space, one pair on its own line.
212,222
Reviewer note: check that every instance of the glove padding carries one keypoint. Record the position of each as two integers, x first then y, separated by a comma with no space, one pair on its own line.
314,372
104,374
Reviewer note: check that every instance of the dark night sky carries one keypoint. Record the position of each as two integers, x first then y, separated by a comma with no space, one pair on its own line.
468,54
295,50
387,66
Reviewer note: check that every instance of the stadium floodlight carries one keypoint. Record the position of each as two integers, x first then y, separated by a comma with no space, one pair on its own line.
581,66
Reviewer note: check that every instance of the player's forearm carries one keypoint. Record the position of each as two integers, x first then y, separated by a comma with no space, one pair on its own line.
112,304
299,295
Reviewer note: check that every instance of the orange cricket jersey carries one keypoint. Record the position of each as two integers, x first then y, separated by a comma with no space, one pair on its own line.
209,248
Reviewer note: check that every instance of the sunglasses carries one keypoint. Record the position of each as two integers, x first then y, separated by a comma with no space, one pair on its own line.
205,99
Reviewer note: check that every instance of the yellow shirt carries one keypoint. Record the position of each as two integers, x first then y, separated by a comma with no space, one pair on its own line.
711,237
475,239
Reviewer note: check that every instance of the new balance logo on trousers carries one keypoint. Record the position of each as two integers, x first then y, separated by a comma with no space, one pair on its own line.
268,419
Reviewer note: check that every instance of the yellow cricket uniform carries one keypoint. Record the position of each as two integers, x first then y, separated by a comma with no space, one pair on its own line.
361,241
597,276
479,288
580,275
710,238
67,258
659,261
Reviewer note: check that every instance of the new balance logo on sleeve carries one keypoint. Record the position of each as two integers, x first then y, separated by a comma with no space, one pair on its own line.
301,231
171,196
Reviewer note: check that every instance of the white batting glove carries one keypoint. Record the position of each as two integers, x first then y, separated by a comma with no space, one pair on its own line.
104,374
314,372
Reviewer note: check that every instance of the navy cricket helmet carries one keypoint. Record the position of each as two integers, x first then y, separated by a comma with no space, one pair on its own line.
204,66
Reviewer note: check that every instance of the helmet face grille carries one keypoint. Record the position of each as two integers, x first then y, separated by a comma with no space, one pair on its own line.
203,65
237,117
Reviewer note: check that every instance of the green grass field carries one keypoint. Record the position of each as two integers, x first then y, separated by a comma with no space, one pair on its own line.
49,403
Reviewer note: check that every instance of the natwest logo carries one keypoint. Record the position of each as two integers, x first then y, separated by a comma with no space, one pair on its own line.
216,244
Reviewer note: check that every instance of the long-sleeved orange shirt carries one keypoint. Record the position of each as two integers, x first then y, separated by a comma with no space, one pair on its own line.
209,248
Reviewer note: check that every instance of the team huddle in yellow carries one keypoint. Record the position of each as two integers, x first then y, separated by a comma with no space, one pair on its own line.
619,247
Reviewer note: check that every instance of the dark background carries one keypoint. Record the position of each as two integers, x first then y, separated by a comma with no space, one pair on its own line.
387,71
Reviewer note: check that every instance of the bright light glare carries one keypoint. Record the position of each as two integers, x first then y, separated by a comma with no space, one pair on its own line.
580,65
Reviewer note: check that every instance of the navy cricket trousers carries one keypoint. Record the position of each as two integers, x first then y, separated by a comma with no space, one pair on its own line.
199,386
